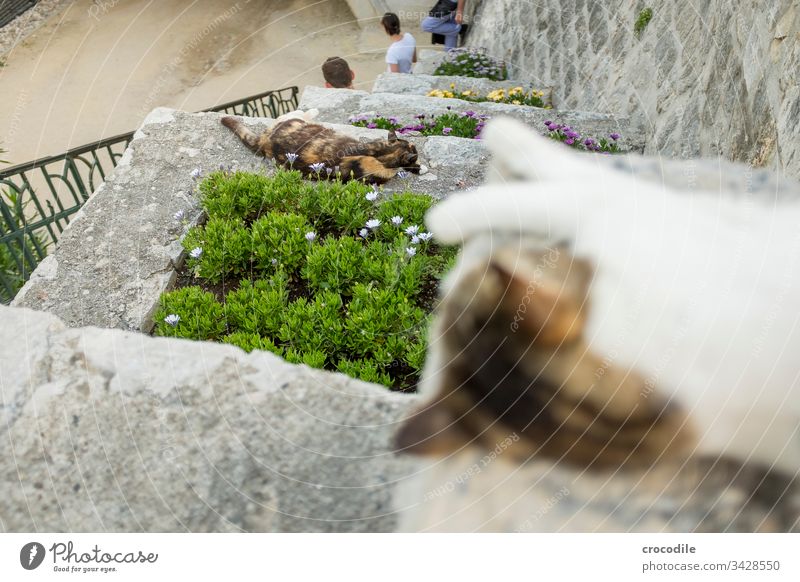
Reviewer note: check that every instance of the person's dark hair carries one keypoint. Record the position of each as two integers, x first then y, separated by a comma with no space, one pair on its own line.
337,72
391,23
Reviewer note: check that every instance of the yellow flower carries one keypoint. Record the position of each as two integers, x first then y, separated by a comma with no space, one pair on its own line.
515,102
452,85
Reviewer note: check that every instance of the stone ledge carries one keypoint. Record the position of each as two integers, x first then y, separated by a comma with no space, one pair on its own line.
423,84
121,250
338,105
106,430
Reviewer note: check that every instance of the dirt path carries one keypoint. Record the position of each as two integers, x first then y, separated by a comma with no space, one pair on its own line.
97,68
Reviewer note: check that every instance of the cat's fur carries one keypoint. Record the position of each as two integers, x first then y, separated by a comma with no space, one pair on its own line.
374,162
610,324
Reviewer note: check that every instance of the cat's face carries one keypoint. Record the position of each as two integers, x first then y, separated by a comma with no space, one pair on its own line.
398,153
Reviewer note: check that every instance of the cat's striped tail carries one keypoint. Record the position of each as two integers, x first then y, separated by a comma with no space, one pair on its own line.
249,138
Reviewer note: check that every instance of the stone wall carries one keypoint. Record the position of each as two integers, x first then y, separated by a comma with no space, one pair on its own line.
707,76
105,430
338,105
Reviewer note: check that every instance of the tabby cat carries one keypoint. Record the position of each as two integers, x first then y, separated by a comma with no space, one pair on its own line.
602,325
298,144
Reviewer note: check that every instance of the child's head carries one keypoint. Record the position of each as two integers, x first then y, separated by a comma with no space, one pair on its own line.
391,23
337,73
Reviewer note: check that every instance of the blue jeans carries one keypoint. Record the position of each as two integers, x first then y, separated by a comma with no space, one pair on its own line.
446,26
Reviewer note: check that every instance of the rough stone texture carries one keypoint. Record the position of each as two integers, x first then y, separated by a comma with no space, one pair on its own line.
501,496
18,29
105,430
708,77
427,61
120,251
338,105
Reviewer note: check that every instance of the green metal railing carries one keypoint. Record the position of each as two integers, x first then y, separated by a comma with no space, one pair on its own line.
38,198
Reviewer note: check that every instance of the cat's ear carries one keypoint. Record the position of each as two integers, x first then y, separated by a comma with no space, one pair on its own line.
392,135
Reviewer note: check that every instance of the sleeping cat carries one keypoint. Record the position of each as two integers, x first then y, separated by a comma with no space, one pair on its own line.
374,162
603,326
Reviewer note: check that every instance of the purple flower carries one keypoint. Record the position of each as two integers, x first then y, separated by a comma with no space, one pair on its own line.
446,130
548,123
393,120
569,141
372,125
469,114
589,142
614,136
420,116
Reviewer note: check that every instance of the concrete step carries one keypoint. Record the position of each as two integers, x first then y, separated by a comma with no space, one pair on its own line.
339,105
424,84
428,60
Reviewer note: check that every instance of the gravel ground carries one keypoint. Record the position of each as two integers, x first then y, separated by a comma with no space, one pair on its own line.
24,24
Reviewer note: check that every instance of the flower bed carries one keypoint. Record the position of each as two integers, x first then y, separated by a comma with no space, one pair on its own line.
513,96
472,62
468,124
327,274
571,137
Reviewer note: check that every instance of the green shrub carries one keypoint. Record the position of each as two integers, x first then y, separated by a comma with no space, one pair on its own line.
307,279
644,18
334,265
366,370
471,62
196,315
279,240
226,245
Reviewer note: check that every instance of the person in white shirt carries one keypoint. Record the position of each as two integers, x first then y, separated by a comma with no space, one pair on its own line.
402,53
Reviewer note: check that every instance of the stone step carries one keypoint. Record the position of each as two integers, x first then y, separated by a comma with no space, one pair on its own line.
424,84
339,105
429,59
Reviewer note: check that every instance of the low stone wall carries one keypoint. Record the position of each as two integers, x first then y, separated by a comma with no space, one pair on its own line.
422,84
338,105
105,430
708,77
120,252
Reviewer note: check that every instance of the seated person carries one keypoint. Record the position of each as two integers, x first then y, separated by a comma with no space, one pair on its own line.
402,53
337,73
445,19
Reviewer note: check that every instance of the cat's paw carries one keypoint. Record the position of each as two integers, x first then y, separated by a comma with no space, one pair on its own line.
413,169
